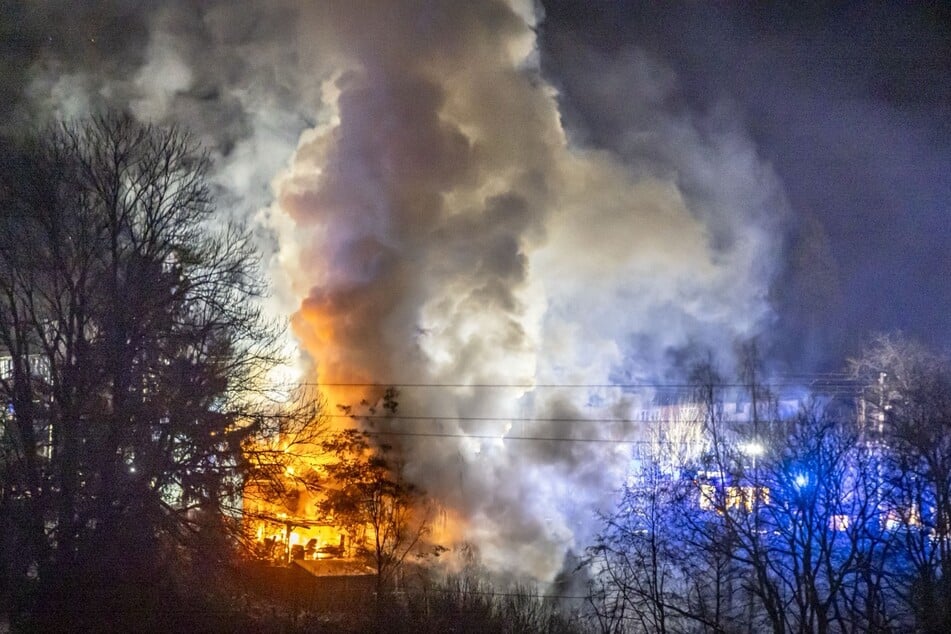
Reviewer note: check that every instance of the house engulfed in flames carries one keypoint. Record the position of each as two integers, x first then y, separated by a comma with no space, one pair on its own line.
288,525
282,514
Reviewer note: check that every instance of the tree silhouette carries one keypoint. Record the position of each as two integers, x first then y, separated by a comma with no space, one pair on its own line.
365,491
134,355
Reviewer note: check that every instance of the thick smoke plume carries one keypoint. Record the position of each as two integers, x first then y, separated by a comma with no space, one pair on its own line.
443,232
434,226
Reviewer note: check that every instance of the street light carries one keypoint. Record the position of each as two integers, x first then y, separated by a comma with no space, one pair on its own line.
753,449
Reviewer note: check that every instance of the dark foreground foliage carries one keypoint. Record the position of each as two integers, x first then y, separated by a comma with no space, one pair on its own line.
133,377
235,599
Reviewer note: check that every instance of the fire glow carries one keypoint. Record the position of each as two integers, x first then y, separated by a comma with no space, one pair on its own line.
439,229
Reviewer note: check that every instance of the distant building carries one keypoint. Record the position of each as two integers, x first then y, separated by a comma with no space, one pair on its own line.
37,369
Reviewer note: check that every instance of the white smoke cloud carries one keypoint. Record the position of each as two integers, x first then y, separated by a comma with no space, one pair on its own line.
64,96
444,231
432,224
164,76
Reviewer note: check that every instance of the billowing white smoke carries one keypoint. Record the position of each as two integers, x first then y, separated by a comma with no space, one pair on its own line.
442,231
435,226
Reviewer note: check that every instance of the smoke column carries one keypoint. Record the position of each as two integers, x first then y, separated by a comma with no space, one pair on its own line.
431,222
440,229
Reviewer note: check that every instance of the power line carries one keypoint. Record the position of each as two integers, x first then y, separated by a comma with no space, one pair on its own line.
515,419
816,382
505,437
504,419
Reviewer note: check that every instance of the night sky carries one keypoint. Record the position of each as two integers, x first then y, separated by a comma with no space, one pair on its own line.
851,106
459,194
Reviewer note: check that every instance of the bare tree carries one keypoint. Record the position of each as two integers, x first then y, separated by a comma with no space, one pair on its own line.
776,527
134,352
907,407
798,504
366,491
642,563
651,570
